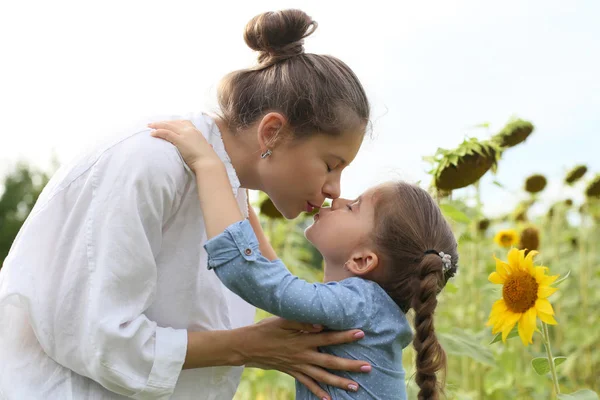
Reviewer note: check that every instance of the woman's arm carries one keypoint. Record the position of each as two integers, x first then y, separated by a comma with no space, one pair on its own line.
275,343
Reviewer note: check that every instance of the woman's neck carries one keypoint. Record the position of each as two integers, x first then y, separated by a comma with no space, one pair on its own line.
244,152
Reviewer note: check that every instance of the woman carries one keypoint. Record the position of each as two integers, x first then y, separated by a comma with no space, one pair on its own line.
105,292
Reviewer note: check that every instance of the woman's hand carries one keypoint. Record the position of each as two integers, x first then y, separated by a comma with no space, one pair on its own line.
291,347
190,142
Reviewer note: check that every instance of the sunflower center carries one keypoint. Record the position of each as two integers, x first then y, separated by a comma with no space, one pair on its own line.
520,292
506,239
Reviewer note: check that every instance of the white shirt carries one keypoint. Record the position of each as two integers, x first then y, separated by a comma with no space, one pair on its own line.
107,275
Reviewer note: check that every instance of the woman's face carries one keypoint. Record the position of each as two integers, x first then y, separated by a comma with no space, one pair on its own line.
301,174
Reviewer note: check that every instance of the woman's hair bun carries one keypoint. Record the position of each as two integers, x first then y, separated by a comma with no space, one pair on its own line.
278,35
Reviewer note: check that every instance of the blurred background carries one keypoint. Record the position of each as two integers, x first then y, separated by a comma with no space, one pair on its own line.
437,73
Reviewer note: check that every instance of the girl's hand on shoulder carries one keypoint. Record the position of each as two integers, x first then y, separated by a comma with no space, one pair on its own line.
191,143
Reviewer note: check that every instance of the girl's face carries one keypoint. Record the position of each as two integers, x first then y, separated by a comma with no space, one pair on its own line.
342,229
300,175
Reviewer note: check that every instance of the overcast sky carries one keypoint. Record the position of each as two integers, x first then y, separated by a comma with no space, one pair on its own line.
72,72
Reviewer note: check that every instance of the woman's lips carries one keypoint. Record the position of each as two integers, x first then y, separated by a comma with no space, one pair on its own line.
309,207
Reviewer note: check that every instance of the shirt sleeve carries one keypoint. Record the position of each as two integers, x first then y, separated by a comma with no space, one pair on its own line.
235,257
104,277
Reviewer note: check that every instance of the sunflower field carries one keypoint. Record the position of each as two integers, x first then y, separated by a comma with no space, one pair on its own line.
526,290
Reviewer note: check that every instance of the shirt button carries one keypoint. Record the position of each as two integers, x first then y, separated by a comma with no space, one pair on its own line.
248,252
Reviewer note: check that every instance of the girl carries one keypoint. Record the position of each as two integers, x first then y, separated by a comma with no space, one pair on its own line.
105,293
386,252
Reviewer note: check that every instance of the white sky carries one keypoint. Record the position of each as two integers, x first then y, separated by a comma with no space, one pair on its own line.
72,72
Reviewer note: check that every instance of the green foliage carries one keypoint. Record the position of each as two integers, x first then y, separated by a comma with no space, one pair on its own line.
19,192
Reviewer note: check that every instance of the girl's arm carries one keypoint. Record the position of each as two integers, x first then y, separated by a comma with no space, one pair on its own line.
265,246
237,261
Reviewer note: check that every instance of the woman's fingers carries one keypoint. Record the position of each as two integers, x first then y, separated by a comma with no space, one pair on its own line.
321,375
311,385
340,364
299,326
338,337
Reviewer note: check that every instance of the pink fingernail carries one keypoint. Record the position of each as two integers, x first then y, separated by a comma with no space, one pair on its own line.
365,368
324,398
317,326
352,387
359,335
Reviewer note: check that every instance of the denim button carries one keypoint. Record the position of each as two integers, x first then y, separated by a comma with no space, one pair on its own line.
248,252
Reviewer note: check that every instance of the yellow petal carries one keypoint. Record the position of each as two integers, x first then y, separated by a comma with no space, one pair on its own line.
502,268
544,306
540,273
527,326
497,312
548,280
514,259
509,323
545,291
528,261
497,278
547,318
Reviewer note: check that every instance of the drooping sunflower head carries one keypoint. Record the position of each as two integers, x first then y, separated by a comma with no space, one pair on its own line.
575,174
530,239
268,209
525,292
465,165
507,238
535,183
593,188
513,133
483,225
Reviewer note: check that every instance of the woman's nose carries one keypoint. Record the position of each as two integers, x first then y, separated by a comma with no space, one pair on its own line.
332,189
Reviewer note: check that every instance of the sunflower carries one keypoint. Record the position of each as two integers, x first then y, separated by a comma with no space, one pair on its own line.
530,239
525,291
575,174
507,238
535,183
593,189
268,209
515,132
464,165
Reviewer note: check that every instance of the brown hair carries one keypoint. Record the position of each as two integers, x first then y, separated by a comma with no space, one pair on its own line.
410,232
316,93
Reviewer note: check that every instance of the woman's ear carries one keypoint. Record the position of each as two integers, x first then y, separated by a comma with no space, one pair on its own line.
270,130
362,262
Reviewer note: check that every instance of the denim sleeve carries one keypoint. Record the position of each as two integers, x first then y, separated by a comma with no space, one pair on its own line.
237,261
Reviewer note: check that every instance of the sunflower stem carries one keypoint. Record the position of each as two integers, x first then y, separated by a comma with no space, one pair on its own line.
550,358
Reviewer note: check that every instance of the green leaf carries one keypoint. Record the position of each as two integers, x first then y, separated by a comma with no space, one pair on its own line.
564,278
454,213
512,334
584,394
466,345
541,365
